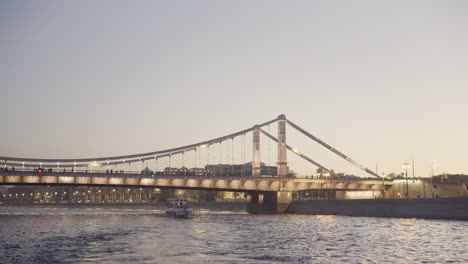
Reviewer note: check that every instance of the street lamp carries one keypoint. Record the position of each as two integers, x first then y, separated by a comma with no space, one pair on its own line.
327,177
434,163
383,185
406,165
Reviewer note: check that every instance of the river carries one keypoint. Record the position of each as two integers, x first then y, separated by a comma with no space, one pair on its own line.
145,235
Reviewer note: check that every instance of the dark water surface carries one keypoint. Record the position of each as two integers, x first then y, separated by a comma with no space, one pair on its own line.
100,235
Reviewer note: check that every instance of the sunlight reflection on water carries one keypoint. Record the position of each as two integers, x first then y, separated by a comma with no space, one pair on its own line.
99,235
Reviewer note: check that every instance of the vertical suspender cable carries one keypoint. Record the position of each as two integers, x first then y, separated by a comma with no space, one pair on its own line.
208,157
220,159
243,156
232,156
170,161
183,156
268,159
227,158
240,159
226,167
195,162
156,163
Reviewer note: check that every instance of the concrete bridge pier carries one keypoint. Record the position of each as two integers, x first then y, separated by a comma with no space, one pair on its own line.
268,202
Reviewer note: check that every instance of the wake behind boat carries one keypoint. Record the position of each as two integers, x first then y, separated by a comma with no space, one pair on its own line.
179,207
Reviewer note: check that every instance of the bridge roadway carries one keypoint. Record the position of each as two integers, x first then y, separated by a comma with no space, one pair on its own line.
221,183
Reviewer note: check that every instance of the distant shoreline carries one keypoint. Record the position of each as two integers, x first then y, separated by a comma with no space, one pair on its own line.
222,206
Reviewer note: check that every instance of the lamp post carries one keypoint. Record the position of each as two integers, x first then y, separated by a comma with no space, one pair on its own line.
383,185
406,165
327,178
430,179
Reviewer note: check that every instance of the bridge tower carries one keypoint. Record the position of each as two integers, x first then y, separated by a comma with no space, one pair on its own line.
283,169
256,166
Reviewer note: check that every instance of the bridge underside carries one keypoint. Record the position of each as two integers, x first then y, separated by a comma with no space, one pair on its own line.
268,202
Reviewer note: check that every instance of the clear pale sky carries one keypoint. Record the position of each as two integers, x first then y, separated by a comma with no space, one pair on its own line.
381,81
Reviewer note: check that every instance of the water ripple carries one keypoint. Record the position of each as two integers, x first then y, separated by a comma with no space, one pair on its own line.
61,235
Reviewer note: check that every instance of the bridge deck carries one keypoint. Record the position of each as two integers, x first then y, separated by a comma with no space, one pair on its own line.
214,182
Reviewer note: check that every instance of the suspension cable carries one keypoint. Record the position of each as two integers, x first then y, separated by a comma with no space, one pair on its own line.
355,163
298,153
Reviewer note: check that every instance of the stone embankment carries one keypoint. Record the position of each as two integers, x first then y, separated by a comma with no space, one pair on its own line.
448,208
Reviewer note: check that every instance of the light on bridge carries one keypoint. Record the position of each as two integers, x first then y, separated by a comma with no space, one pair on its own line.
94,164
296,151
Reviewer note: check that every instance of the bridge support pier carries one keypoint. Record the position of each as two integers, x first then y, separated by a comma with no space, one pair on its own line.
268,202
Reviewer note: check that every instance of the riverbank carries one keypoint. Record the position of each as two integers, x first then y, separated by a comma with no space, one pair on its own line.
447,208
214,206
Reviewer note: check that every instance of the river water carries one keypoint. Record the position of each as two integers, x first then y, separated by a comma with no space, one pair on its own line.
122,235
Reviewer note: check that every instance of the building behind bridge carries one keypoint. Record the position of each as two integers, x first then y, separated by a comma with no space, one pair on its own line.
236,170
240,169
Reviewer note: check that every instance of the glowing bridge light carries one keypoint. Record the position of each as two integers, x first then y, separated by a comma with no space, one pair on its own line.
295,150
94,164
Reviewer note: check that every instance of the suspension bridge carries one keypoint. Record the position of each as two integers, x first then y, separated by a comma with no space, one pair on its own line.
268,192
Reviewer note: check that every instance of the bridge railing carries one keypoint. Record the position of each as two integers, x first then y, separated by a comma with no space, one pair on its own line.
125,174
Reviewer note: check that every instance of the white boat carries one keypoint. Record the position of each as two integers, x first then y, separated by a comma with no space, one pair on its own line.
179,207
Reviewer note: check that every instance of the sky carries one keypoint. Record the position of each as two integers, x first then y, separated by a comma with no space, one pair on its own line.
385,82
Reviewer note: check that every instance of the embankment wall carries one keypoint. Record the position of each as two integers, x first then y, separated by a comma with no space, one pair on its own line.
448,208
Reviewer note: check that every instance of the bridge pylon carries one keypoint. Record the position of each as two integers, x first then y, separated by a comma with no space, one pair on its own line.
256,166
282,163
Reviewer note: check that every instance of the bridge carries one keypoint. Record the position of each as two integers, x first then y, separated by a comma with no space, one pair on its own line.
267,193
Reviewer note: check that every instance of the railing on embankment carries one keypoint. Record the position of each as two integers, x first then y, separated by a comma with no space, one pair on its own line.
446,208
